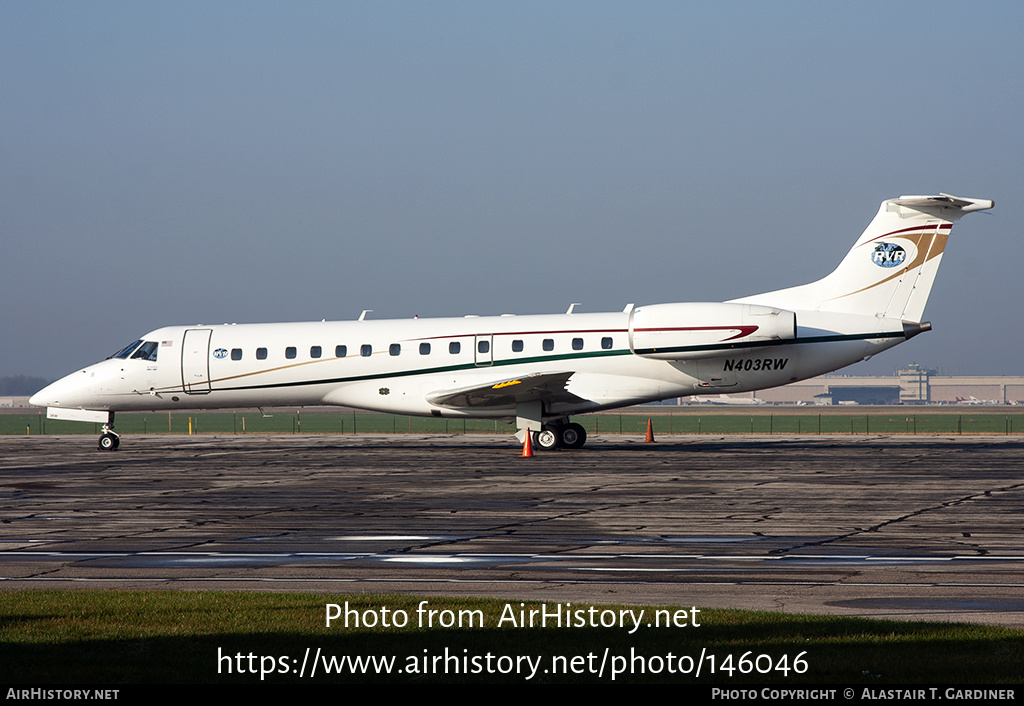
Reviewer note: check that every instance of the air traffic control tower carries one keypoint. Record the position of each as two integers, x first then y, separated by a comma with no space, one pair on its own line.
914,388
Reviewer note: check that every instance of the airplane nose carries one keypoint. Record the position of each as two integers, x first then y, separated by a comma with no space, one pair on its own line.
46,397
66,392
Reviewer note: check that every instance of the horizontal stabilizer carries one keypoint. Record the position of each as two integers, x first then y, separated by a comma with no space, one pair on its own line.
945,201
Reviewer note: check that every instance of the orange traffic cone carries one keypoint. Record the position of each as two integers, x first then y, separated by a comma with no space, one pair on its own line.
649,439
527,446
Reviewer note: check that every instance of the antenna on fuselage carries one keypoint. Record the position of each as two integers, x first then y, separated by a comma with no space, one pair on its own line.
363,315
571,307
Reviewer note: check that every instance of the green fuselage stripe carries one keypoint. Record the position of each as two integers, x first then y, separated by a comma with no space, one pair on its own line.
724,348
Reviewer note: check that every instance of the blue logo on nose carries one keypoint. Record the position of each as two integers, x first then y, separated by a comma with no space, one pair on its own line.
888,255
220,353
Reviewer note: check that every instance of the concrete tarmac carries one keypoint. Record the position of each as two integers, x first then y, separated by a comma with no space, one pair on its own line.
894,527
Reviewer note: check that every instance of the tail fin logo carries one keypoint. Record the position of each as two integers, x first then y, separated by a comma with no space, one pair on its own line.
888,255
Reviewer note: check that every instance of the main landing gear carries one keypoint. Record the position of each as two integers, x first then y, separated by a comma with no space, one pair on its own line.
560,435
558,432
109,440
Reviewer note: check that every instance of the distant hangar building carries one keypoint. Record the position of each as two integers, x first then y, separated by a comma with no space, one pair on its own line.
914,385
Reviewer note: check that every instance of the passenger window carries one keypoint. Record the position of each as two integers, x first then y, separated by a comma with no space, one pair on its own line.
577,344
315,352
289,352
261,354
236,354
483,346
606,343
395,349
424,349
340,351
549,344
454,347
517,346
366,350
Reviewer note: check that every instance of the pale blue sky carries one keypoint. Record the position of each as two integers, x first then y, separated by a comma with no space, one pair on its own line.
186,162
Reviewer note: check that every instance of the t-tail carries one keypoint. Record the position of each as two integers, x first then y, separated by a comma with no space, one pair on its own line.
890,270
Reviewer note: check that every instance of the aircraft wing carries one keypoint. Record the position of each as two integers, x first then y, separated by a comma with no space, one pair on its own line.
549,387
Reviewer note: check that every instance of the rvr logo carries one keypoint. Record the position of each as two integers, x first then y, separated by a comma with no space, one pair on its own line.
888,255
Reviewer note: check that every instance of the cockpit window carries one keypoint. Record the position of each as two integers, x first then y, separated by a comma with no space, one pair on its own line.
127,350
147,351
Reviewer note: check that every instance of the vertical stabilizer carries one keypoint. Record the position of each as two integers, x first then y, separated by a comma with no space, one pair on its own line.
890,270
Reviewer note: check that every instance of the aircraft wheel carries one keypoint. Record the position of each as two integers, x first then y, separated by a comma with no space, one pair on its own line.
574,436
109,442
546,439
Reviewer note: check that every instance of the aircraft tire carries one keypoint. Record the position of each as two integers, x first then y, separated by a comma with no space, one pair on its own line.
109,442
574,436
547,439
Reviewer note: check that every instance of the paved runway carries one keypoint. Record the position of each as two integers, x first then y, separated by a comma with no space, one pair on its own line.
904,527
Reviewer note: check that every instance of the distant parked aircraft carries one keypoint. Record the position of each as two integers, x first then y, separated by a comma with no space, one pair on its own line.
726,399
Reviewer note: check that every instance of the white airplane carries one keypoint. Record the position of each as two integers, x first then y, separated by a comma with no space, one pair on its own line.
538,370
728,400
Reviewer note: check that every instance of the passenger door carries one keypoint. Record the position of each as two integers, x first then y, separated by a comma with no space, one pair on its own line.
195,361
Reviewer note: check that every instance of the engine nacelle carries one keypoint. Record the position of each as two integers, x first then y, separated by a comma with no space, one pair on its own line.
684,331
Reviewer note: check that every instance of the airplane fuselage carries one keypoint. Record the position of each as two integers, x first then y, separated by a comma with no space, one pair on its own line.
396,365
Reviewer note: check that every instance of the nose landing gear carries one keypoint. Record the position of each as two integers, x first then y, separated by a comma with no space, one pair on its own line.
109,440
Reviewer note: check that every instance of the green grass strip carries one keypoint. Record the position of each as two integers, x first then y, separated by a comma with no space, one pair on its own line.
691,421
